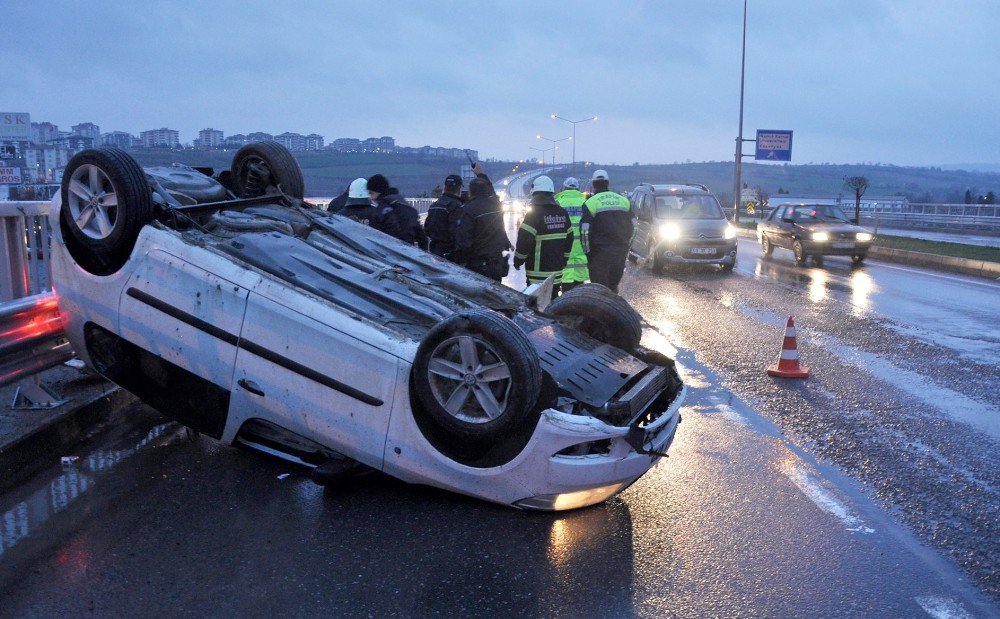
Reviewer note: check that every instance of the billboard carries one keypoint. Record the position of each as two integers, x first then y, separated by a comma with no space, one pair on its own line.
10,175
15,126
773,145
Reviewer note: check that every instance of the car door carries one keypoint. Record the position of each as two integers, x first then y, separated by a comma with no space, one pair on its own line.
643,224
768,227
184,322
331,385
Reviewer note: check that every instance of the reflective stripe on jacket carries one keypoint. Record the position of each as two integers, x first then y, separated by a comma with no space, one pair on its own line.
544,239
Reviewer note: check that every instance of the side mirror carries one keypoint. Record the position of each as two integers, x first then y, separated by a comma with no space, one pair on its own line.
788,220
643,215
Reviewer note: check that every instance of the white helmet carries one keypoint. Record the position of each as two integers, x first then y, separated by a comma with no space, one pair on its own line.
542,183
571,183
600,175
357,193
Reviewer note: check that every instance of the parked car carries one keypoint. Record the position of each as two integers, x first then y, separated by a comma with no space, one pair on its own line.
681,224
815,230
231,305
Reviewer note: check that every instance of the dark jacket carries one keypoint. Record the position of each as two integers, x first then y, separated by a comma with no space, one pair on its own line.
606,221
544,239
480,237
337,204
441,222
410,230
382,218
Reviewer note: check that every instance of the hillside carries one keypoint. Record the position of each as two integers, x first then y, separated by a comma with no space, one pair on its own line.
327,174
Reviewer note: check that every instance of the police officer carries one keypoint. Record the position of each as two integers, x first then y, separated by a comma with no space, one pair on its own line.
442,217
545,237
358,206
410,231
606,231
480,237
572,199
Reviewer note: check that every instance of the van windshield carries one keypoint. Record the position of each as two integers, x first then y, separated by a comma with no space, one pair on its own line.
688,207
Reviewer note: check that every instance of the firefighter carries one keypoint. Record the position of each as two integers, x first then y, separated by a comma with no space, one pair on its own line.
442,217
545,237
606,231
572,199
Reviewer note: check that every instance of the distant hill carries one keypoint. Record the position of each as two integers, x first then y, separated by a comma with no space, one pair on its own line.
327,174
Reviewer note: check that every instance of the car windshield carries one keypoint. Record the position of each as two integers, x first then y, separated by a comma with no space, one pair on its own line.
817,212
688,207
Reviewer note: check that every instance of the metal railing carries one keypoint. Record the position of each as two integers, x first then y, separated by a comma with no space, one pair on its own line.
957,218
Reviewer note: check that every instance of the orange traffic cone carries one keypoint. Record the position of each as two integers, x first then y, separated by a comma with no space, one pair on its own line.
788,360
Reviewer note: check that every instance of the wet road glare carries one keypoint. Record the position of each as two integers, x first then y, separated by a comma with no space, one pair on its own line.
854,493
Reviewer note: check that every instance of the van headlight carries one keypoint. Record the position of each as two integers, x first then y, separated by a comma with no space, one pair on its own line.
820,236
864,236
670,232
730,232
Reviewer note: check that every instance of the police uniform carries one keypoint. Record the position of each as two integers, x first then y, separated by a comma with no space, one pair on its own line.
606,229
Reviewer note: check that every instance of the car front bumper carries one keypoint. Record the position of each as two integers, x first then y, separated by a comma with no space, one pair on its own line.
540,477
835,248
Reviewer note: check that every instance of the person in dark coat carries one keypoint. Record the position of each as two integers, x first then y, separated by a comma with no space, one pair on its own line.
480,237
442,217
410,230
358,206
338,203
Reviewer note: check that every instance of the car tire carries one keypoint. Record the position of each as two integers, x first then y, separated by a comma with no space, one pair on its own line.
106,201
799,252
477,378
818,260
858,258
266,168
766,247
601,314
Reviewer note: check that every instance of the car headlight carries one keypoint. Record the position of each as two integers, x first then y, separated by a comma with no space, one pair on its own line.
820,236
517,205
670,232
730,232
864,236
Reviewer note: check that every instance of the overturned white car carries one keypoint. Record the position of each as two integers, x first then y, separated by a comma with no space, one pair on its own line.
229,304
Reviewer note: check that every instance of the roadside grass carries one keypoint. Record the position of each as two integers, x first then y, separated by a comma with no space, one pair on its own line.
941,248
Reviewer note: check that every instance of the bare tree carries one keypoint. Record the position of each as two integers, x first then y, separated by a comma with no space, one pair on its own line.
859,185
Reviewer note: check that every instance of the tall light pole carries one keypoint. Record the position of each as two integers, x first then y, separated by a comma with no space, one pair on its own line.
574,123
554,145
543,151
737,184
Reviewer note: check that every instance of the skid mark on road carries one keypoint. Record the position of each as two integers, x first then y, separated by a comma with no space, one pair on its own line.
959,407
942,607
824,499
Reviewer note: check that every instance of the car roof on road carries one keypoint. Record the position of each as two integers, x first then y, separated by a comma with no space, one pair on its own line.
676,188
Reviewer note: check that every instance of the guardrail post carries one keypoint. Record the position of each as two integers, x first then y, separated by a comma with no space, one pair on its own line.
32,395
13,259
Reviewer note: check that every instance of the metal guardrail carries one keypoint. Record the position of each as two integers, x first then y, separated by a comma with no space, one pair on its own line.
958,218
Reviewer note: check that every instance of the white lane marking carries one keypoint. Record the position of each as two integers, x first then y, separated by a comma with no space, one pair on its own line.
938,275
942,607
824,499
959,407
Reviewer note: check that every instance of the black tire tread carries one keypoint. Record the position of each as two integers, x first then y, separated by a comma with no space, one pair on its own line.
285,169
603,315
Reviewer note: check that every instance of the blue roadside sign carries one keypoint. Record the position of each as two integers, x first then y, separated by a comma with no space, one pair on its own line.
773,145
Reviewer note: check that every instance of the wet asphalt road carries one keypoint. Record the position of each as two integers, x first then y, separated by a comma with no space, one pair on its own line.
855,493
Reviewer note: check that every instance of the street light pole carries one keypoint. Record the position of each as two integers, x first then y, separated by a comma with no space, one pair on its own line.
554,147
543,151
737,184
574,123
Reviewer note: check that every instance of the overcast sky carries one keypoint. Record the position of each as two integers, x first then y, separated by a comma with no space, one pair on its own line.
908,82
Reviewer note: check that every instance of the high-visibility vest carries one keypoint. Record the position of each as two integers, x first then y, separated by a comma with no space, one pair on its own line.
576,265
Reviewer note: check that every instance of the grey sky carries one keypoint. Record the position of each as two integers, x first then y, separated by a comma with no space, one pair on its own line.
907,82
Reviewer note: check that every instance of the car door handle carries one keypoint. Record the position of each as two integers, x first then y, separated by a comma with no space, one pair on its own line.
250,386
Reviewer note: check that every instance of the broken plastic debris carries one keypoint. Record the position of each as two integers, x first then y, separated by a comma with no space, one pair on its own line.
76,363
283,475
70,460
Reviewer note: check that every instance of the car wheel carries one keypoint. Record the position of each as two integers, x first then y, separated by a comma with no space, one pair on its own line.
800,253
818,260
858,258
266,168
105,203
653,260
766,247
601,314
477,377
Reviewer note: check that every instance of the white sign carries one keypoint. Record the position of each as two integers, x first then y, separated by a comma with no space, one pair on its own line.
10,176
15,125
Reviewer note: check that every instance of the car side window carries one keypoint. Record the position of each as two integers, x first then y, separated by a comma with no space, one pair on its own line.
777,214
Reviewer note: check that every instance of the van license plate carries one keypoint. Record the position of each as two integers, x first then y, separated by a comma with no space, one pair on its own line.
709,251
843,245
